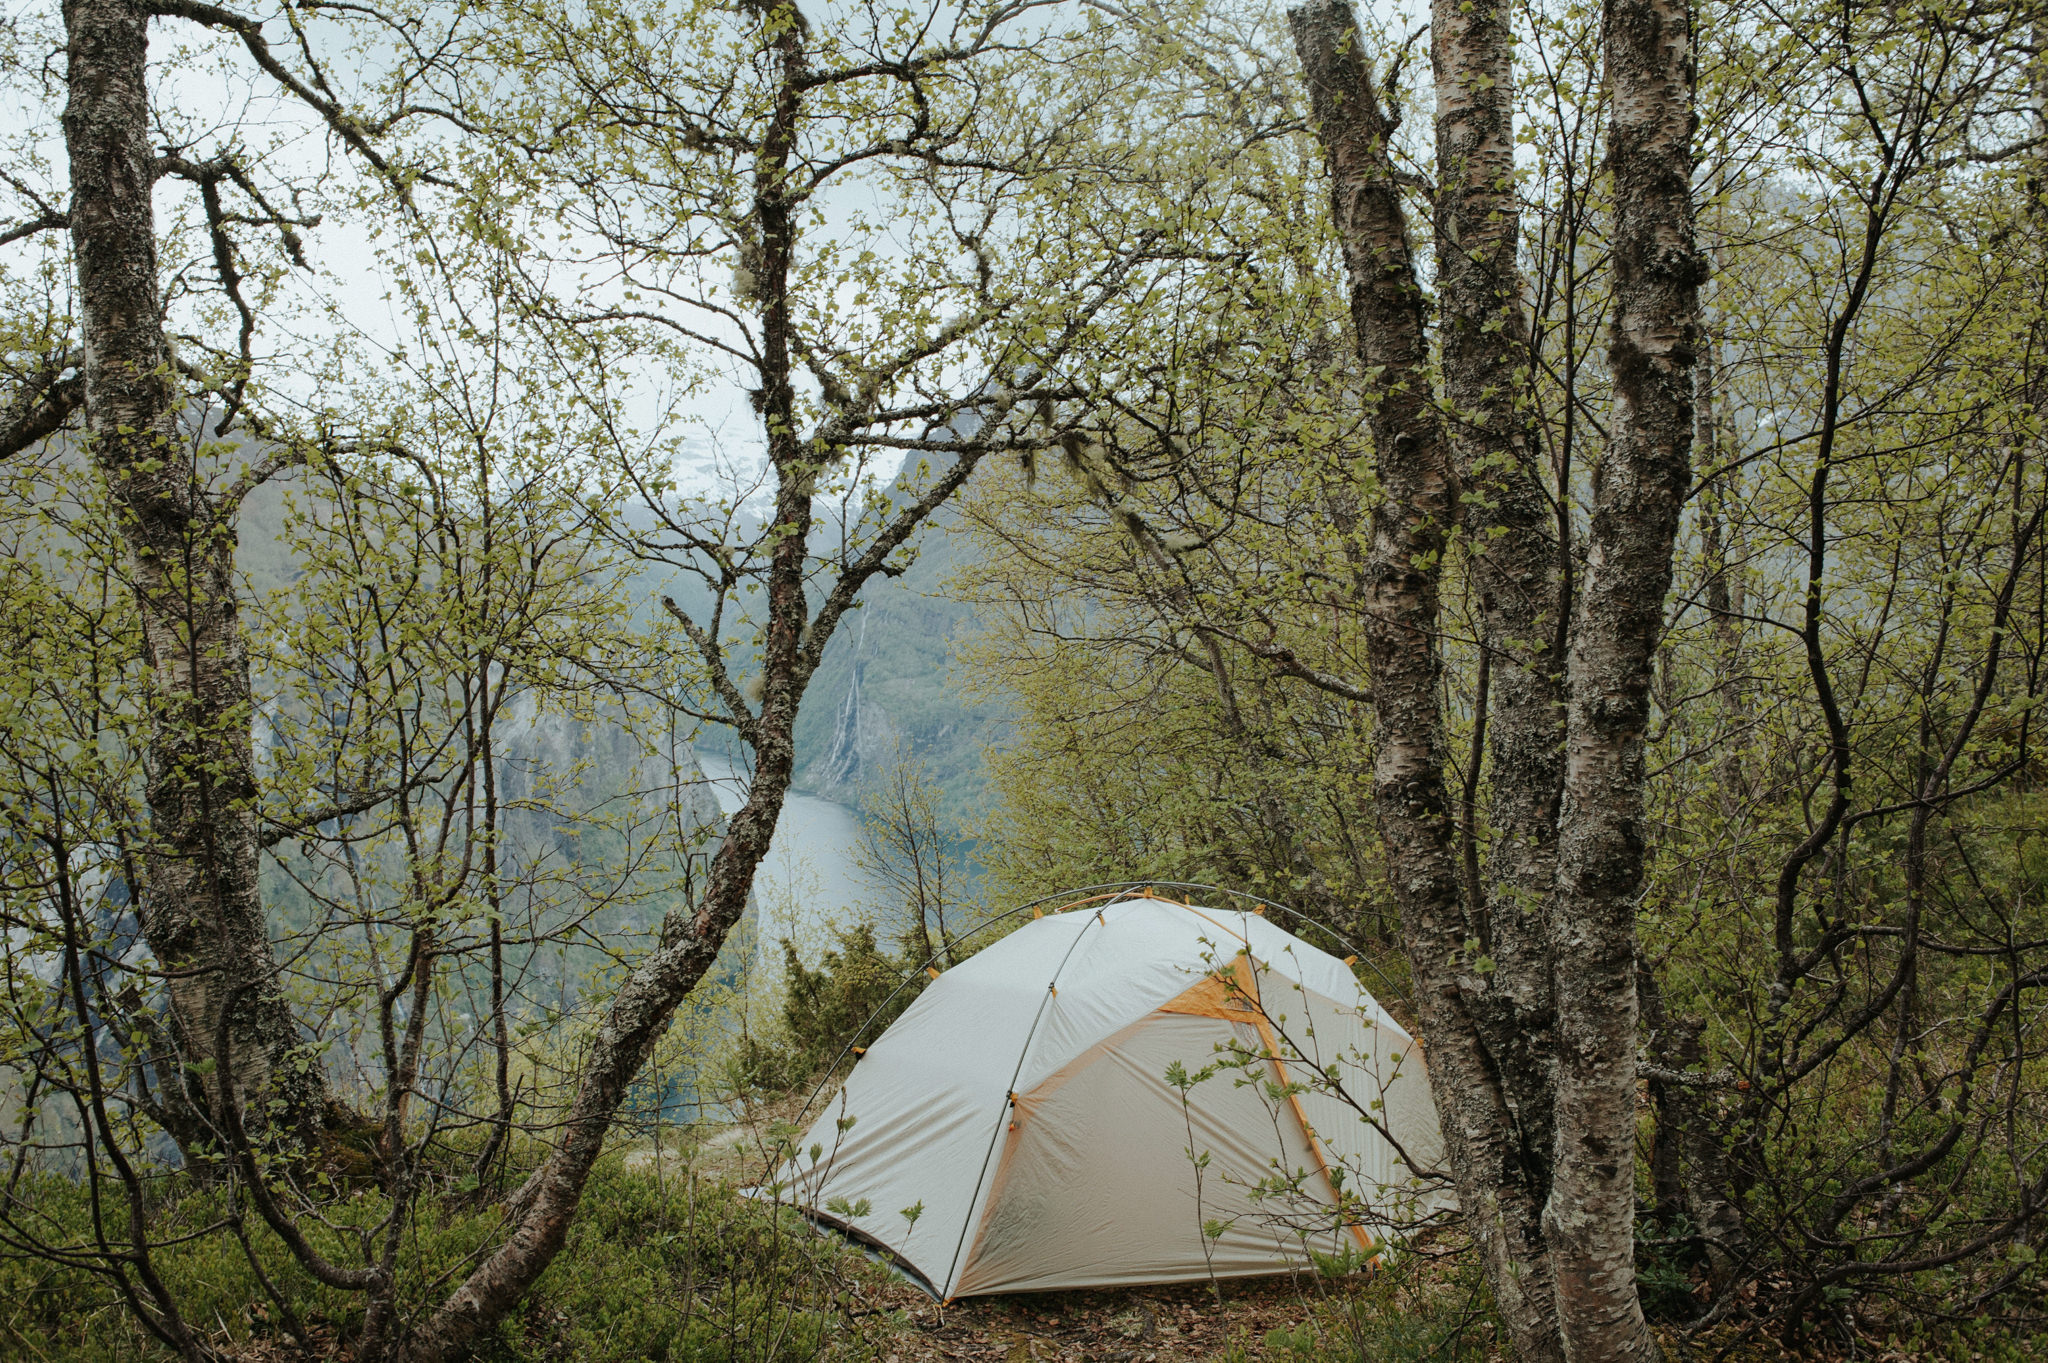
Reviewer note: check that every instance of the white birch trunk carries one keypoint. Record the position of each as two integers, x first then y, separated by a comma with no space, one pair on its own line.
201,903
1640,489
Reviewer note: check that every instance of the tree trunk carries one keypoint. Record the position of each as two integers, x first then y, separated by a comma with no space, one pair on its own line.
1668,1101
201,905
691,936
1724,568
1704,1162
1510,531
639,1016
1639,490
1409,532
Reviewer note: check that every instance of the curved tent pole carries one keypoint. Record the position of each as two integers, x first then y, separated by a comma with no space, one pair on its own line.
1005,1115
1110,890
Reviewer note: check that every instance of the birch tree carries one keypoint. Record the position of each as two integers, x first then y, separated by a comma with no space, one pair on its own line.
130,390
1556,1226
712,221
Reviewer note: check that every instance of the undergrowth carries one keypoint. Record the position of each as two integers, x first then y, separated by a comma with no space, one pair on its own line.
1411,1309
676,1268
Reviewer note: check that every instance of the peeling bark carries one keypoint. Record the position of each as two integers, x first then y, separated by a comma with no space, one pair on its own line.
201,907
1645,471
1510,532
1409,533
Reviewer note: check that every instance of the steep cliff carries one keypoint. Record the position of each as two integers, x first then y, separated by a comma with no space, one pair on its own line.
888,683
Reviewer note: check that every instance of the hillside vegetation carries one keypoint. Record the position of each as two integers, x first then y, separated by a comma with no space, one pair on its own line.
1549,499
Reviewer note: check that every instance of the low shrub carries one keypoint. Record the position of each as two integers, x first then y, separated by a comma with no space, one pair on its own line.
856,990
1412,1308
671,1267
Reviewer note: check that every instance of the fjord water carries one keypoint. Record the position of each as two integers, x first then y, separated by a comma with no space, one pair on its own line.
809,881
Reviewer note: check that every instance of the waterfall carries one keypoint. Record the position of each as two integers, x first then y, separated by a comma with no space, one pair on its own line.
841,767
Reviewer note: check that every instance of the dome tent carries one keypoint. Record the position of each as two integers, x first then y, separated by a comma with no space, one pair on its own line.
1069,1108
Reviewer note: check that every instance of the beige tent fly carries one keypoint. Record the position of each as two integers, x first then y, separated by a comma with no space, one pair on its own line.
1017,1129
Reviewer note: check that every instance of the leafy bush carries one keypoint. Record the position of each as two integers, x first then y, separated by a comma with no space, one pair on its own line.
852,996
1409,1310
1666,1259
691,1271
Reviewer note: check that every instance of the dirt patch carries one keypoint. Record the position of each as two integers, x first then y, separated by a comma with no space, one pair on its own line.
1134,1325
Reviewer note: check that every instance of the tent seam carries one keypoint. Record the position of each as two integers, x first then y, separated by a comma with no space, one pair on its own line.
1308,1134
1010,1101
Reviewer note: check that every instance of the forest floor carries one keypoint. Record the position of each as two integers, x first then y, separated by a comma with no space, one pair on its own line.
1167,1324
1426,1308
1423,1311
1183,1323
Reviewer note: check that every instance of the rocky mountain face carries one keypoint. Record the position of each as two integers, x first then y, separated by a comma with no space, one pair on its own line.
889,685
